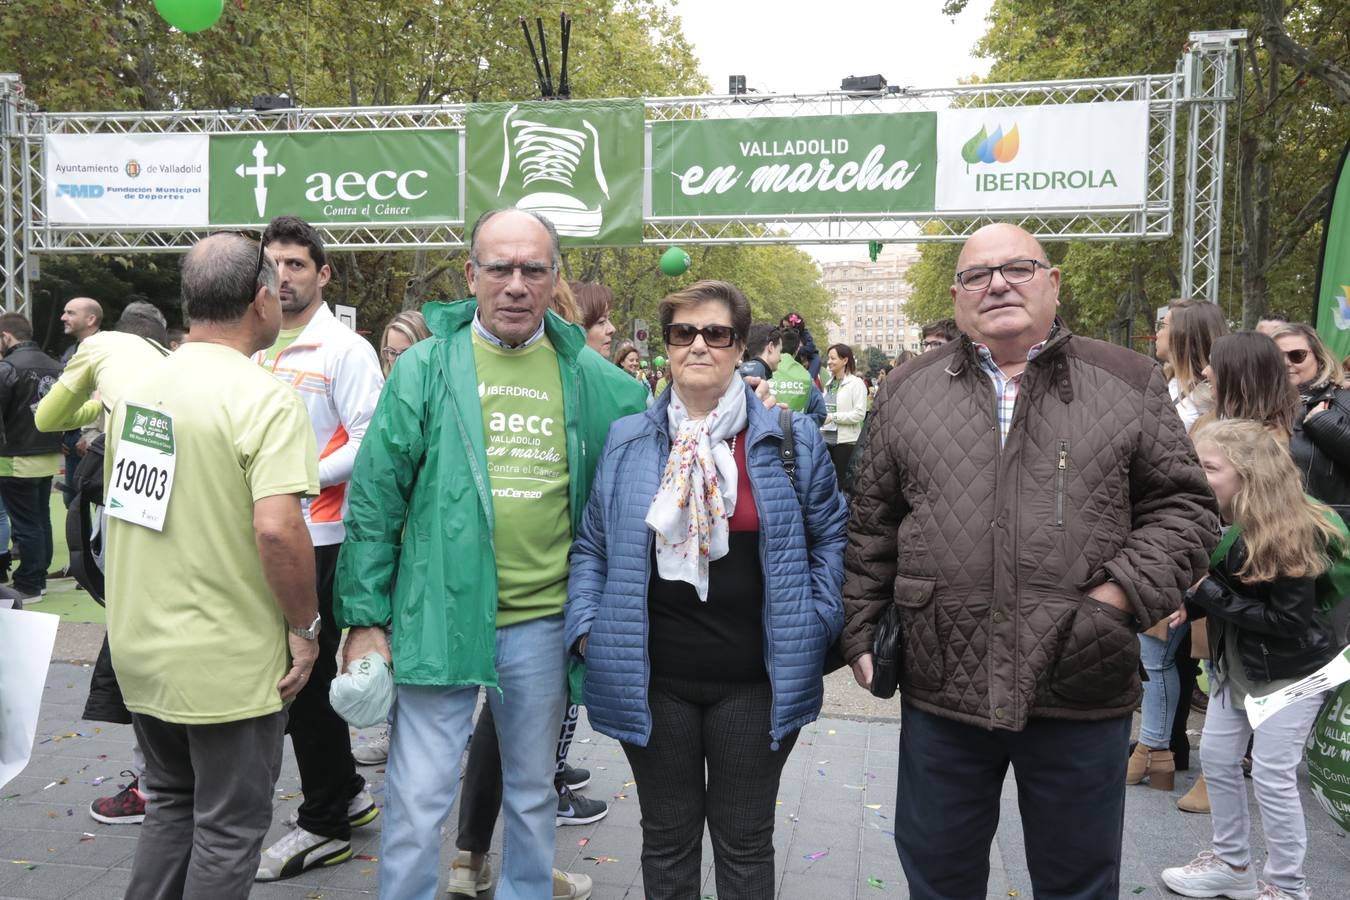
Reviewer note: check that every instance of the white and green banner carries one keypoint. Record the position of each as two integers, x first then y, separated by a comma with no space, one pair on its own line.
127,179
584,165
1075,156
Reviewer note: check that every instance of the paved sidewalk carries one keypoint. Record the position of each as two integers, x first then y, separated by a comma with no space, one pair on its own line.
833,838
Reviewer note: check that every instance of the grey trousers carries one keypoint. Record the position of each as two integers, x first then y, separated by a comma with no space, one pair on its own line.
211,804
1276,752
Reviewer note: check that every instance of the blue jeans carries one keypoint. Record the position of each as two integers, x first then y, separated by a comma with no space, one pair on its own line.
1160,691
431,726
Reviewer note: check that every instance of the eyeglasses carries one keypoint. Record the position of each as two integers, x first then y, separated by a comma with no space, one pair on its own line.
1296,357
932,345
1016,271
262,256
678,334
390,353
532,272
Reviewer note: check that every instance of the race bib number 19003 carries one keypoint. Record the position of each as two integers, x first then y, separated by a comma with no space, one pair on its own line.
141,478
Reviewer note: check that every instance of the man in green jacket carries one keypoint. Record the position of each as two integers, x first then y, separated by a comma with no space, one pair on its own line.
472,478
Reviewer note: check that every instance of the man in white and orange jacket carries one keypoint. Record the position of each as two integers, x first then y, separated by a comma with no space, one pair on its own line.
337,375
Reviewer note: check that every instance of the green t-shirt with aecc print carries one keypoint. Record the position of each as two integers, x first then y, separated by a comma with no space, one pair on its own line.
526,441
791,384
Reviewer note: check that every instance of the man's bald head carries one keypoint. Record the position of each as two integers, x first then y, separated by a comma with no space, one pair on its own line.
1005,291
81,317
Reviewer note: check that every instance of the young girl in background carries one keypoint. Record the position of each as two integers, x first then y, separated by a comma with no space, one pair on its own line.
1259,597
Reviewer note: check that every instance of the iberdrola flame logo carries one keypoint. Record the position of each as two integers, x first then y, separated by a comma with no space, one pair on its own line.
988,148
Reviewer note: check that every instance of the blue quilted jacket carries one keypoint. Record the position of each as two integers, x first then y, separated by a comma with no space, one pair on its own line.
801,549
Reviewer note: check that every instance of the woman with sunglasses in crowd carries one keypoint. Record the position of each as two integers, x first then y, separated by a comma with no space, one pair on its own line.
704,589
1320,443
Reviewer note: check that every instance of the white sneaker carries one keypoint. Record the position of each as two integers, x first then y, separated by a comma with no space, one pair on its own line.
571,886
299,850
373,752
1273,892
465,879
361,810
1209,876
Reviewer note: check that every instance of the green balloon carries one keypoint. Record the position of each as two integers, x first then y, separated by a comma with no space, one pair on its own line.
190,16
674,262
659,361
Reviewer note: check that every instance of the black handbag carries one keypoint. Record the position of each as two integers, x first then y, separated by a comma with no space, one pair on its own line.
888,655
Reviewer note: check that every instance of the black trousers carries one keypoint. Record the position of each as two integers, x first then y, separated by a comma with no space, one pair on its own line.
709,759
323,749
840,454
1070,791
28,501
480,796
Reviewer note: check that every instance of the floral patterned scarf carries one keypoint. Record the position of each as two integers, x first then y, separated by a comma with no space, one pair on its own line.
698,489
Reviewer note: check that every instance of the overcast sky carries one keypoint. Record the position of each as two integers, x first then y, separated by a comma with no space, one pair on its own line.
793,46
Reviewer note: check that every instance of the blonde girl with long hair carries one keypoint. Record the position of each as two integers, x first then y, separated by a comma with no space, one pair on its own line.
1260,598
403,330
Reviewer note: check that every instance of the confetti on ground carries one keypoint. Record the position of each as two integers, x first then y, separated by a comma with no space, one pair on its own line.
364,871
314,896
821,771
600,859
99,780
872,805
9,797
876,883
855,787
70,812
793,818
58,781
819,854
1139,890
822,762
85,840
584,741
831,731
365,856
620,796
1012,893
583,842
103,756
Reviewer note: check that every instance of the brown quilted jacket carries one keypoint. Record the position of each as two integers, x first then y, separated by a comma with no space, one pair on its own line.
989,551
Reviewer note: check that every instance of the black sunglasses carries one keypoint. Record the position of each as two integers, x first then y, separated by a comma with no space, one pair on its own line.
679,334
1296,356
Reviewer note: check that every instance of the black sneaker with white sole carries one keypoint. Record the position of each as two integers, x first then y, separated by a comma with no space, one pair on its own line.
574,809
576,779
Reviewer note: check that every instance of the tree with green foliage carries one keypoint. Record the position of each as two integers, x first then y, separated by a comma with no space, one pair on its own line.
1286,131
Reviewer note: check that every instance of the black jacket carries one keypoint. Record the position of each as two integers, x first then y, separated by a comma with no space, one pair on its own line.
26,375
1321,448
1279,634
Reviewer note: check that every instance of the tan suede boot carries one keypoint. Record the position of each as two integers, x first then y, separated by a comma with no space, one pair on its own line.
1158,766
1196,800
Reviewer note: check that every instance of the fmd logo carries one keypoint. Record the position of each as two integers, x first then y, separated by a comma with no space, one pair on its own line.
990,148
83,191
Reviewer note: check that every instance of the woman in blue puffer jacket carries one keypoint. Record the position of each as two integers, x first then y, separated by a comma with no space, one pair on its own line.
705,588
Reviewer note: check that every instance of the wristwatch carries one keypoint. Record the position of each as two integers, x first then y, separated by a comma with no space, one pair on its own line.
311,633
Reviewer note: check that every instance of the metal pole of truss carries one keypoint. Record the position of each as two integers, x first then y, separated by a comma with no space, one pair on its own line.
1209,71
15,294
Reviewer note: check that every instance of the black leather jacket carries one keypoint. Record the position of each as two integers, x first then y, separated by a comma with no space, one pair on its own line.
1279,635
26,375
1321,448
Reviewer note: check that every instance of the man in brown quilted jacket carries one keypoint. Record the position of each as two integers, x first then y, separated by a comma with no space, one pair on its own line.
1030,501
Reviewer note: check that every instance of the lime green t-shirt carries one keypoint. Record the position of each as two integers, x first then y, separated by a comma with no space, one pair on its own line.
521,395
791,384
44,465
196,634
285,337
